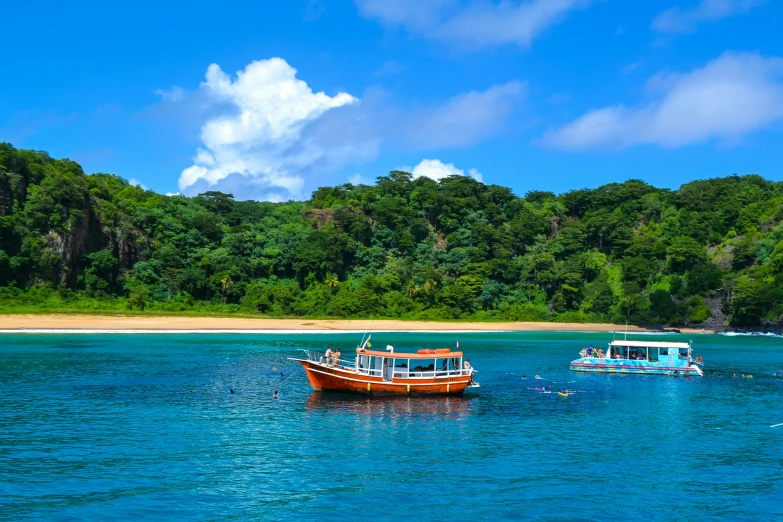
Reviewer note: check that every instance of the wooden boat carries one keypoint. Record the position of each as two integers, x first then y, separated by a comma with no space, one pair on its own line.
661,358
426,372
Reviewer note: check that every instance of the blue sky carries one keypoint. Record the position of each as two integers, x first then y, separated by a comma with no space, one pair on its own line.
269,100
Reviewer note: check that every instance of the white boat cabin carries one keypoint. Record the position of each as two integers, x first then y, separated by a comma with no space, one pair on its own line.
648,351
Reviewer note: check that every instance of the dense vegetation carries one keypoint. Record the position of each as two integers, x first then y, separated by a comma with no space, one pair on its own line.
408,248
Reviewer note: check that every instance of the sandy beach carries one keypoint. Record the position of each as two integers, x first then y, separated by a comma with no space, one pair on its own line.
151,323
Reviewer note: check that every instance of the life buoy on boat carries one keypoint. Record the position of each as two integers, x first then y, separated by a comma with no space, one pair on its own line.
443,350
428,352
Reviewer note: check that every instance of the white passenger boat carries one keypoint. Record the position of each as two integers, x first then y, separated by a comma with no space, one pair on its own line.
661,358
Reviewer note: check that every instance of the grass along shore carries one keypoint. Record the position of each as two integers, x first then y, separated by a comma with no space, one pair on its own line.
77,322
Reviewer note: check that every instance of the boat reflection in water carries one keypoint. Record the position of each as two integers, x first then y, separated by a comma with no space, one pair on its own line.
390,405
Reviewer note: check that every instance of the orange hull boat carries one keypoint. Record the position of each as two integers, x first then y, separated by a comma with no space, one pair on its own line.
382,373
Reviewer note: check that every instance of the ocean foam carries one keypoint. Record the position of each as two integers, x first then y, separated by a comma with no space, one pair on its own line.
751,334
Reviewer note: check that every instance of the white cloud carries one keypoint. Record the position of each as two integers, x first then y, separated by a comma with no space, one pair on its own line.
266,135
176,93
171,194
731,96
466,118
358,179
437,170
676,20
136,183
475,174
255,139
476,23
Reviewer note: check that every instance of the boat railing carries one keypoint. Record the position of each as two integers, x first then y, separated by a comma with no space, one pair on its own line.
403,373
320,358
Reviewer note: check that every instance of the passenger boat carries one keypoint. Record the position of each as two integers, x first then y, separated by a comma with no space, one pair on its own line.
425,372
661,358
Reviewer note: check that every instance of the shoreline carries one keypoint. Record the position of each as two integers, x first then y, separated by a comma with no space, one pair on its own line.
65,323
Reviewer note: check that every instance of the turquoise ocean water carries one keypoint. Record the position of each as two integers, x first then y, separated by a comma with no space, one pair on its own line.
97,426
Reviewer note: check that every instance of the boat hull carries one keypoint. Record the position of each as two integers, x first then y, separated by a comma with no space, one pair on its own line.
330,379
637,367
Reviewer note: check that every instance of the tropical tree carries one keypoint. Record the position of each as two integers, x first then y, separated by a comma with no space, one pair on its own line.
226,283
331,281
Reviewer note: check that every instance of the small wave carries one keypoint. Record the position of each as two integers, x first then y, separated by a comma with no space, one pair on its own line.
751,334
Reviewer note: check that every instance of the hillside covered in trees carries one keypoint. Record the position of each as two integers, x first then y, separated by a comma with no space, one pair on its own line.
710,253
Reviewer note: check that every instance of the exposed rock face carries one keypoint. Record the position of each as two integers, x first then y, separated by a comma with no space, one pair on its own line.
321,216
717,322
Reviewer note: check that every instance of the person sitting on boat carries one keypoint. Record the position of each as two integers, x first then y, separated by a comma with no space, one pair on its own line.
699,359
328,356
467,365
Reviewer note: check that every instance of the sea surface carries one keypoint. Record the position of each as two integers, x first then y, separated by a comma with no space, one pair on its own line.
142,426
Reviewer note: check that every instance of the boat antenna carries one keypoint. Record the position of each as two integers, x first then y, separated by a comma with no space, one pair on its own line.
365,332
626,329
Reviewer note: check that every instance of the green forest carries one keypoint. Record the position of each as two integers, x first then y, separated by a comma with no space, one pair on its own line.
707,254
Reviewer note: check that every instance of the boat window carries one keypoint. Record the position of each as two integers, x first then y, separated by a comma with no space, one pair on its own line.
683,353
422,365
401,363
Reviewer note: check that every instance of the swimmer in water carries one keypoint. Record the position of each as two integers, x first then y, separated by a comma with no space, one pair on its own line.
275,395
524,377
274,367
282,374
231,391
537,377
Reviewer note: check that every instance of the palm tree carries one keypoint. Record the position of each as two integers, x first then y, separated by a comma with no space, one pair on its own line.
412,291
226,283
429,286
331,282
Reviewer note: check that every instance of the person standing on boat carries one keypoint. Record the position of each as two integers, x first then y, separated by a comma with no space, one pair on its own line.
336,358
328,356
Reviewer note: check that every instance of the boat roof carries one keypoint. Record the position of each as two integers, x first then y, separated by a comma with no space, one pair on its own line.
649,344
410,355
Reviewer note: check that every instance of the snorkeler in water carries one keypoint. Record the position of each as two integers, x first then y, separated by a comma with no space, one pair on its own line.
275,396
